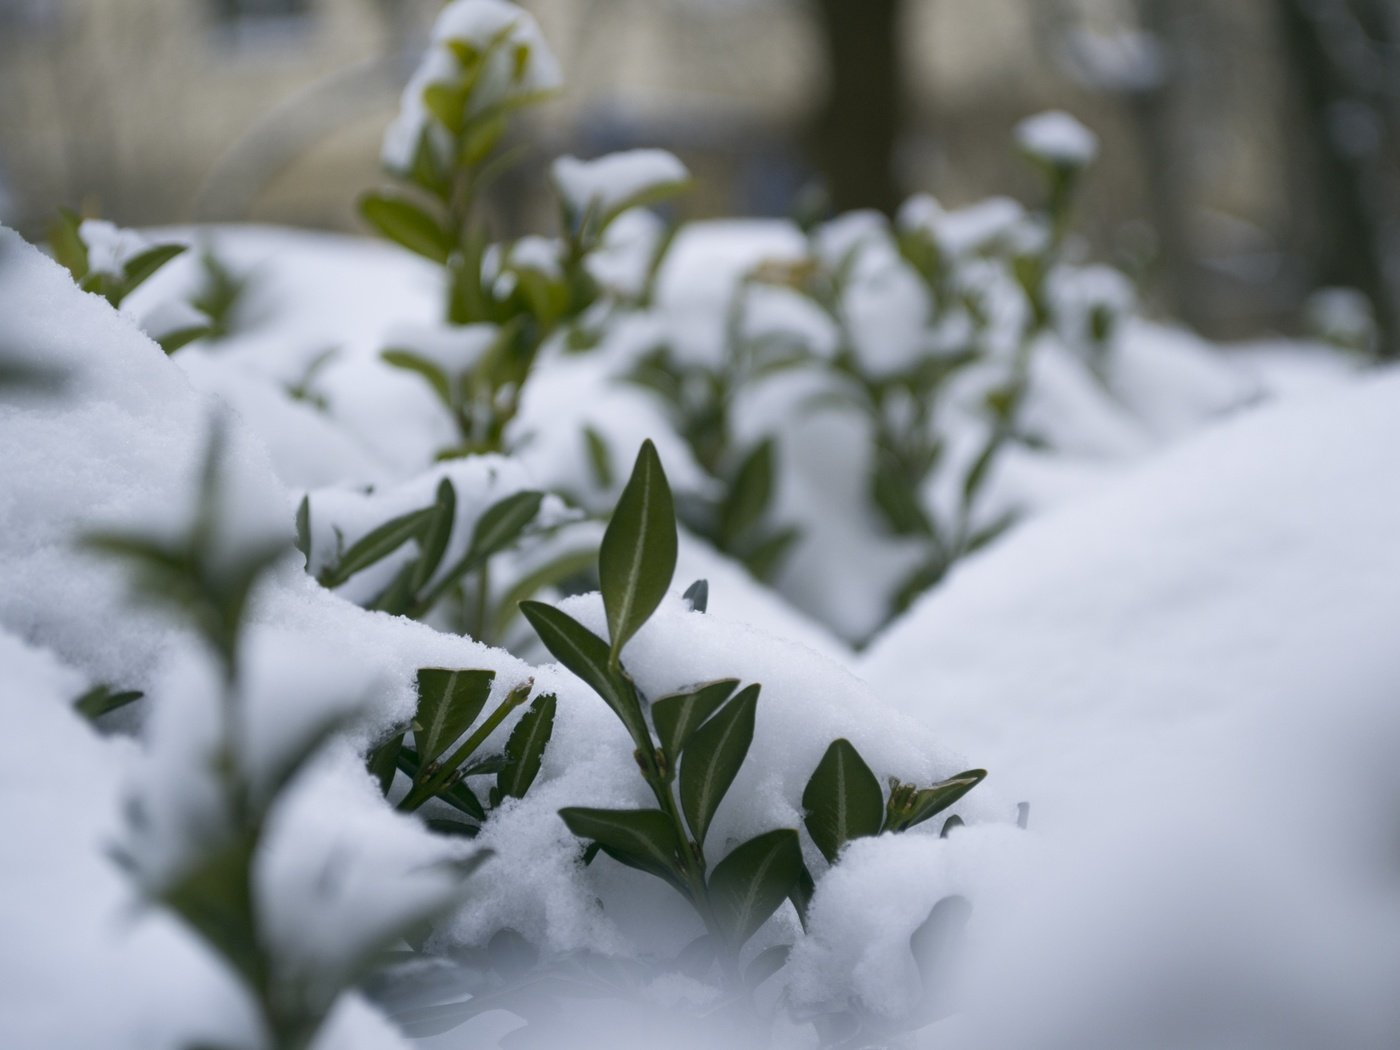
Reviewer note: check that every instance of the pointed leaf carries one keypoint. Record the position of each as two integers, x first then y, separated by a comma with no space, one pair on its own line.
750,494
435,535
448,703
766,963
525,748
408,361
407,225
102,700
713,756
586,655
383,762
843,800
638,555
378,544
144,265
748,885
678,715
934,800
503,522
640,838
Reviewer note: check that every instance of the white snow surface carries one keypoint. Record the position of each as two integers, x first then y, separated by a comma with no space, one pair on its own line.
1057,138
609,183
1190,675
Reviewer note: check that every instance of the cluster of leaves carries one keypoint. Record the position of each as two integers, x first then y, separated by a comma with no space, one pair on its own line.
69,247
213,891
449,702
691,745
526,296
739,519
426,582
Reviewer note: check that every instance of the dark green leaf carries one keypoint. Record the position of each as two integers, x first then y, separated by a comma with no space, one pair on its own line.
934,800
640,838
383,761
379,544
303,525
67,243
456,828
143,266
525,748
676,716
638,555
182,337
586,655
396,598
436,378
952,822
502,523
408,225
102,700
599,458
448,703
713,756
435,535
749,495
747,886
843,800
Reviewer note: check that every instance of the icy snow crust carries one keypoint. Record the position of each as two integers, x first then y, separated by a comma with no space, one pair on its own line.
1182,662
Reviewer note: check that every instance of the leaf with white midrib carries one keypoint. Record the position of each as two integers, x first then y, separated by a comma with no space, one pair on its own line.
749,885
842,799
525,747
448,712
637,557
676,716
713,757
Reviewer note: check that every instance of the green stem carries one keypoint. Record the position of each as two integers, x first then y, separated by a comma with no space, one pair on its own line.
426,789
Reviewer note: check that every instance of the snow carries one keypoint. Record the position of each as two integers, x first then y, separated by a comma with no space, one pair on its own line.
478,24
608,184
1058,139
110,247
1169,670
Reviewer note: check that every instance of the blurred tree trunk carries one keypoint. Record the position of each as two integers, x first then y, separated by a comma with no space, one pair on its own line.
862,115
1326,62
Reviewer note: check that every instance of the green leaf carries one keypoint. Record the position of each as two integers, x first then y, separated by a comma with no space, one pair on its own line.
453,828
638,555
525,748
952,822
448,105
599,458
214,898
843,800
764,559
435,536
640,838
934,800
502,524
697,596
713,756
67,243
747,886
749,495
379,544
676,716
103,699
396,598
448,703
383,762
182,337
553,572
408,361
143,266
586,655
303,526
408,225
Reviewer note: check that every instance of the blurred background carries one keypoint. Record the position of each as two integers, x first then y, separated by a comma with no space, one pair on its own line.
1250,149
